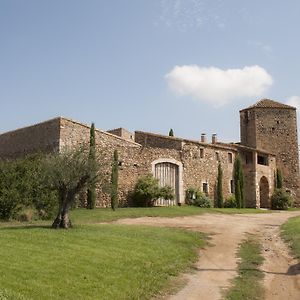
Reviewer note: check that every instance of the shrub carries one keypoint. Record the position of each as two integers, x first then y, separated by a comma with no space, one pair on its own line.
280,200
21,185
27,214
147,190
230,202
195,197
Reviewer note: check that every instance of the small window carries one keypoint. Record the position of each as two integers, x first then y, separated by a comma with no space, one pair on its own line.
231,186
262,159
217,156
205,188
230,157
201,152
248,158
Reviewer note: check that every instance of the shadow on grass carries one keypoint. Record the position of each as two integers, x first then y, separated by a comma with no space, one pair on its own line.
29,226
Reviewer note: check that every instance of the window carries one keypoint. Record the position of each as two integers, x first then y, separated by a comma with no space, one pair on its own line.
230,157
231,186
248,158
262,159
205,188
217,156
201,152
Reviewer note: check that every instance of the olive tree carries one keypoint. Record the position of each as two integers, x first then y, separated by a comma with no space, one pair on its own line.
69,173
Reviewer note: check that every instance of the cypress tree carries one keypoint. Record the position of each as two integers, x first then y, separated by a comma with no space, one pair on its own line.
278,179
239,183
171,133
220,187
91,193
114,181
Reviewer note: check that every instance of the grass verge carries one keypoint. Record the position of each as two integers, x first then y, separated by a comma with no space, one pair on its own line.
247,285
82,215
92,261
291,234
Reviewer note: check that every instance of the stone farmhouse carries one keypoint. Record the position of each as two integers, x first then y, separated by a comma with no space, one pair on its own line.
268,141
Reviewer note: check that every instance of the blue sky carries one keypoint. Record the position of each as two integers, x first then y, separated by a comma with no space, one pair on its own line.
146,64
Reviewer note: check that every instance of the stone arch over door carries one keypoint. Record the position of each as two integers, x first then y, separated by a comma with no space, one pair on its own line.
169,172
264,193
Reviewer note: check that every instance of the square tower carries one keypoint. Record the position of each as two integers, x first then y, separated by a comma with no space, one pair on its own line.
272,126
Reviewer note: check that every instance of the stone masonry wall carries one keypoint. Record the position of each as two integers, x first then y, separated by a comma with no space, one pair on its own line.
42,137
275,130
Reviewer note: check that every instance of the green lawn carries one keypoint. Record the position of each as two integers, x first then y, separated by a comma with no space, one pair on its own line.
107,214
291,234
92,261
248,284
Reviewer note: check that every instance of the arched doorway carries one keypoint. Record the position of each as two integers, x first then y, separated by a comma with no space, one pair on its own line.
168,172
264,193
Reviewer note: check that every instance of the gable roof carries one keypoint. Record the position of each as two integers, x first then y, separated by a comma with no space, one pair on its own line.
268,103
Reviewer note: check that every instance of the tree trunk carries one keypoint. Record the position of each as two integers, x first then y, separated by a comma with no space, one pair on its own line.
62,219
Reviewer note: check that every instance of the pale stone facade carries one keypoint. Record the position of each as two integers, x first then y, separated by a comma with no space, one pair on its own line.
174,161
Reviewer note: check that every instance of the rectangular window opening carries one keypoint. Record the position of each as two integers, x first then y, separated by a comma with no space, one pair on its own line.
262,159
205,188
230,157
232,186
217,156
201,153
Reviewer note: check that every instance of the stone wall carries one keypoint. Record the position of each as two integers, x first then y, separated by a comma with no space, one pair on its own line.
274,130
73,133
42,137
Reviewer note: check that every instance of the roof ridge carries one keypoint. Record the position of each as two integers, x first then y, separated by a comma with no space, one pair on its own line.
269,103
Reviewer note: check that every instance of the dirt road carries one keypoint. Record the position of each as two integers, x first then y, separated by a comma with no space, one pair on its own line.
217,263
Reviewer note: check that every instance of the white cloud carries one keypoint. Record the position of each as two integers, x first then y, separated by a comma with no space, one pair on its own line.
217,86
294,101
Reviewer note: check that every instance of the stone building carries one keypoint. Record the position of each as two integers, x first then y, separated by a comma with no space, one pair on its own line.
268,141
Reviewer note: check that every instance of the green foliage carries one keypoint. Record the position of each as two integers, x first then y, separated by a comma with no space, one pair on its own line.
230,202
239,182
147,190
279,179
171,133
69,173
220,198
22,186
114,181
91,192
193,196
167,192
281,200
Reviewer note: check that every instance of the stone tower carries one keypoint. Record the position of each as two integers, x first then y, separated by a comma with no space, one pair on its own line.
272,126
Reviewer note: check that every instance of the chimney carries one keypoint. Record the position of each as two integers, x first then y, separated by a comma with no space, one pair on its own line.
214,138
203,138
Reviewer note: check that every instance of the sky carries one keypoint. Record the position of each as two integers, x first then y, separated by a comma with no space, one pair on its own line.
149,65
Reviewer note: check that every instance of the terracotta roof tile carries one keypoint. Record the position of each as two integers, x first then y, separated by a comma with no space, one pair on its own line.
268,103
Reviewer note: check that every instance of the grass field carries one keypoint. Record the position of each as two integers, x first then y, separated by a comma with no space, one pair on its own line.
248,284
92,261
97,261
291,234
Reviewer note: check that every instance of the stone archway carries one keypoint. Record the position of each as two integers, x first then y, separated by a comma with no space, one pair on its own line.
264,193
169,172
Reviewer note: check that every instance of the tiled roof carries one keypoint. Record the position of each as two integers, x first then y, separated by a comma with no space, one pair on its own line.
268,103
